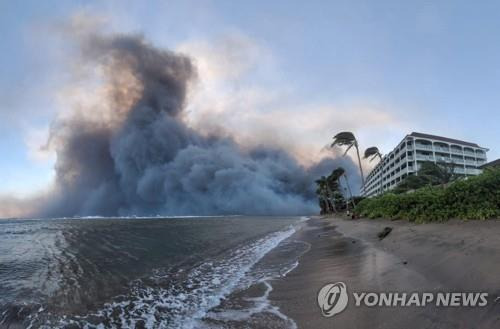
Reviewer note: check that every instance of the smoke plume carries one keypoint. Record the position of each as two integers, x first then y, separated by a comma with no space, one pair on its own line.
135,155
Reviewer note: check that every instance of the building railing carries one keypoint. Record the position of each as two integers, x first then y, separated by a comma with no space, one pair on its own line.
441,149
481,155
425,157
423,146
443,159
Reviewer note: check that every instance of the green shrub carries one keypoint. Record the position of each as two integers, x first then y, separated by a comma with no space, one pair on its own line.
477,197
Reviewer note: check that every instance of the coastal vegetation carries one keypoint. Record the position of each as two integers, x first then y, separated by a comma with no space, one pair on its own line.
429,174
442,197
329,192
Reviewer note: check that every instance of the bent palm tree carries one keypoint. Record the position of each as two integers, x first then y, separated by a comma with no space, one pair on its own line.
372,153
331,187
323,195
337,173
346,138
340,172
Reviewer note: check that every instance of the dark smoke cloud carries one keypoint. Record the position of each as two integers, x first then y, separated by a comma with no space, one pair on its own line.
140,158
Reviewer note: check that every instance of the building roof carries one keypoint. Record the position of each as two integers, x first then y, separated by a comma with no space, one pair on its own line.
444,139
494,163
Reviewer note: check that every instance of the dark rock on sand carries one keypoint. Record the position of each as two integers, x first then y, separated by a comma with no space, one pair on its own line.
385,232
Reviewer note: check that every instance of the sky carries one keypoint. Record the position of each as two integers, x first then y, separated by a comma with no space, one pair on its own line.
290,72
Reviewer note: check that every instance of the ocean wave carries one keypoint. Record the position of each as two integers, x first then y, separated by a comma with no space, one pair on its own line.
177,300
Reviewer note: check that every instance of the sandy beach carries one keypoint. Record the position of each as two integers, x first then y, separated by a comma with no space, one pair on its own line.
455,256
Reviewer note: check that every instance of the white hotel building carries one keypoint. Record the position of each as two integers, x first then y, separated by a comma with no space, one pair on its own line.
416,148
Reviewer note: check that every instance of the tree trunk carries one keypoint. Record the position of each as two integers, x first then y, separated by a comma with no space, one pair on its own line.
333,206
360,167
323,205
330,197
349,189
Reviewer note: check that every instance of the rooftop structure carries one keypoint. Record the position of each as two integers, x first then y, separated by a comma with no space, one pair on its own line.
406,158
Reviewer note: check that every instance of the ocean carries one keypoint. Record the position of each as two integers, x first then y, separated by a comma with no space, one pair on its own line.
198,272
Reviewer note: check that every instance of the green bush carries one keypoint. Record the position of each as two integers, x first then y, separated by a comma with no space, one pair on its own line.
477,197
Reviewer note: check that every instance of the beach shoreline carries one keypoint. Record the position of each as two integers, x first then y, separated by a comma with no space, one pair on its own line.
454,256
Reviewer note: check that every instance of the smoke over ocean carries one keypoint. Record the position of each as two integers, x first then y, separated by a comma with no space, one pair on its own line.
135,155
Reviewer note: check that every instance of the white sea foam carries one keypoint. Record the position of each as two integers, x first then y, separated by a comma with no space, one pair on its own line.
259,305
304,218
255,306
185,303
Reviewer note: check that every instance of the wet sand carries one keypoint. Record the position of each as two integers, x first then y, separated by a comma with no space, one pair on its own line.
440,257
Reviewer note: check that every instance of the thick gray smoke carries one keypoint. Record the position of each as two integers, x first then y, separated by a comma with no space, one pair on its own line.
140,158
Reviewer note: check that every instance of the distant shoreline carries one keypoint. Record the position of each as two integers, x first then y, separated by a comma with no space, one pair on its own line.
450,256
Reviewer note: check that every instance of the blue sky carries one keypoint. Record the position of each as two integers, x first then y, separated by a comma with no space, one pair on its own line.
379,68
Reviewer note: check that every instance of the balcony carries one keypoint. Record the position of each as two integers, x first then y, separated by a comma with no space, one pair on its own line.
470,162
480,155
425,157
469,153
442,159
423,146
441,149
456,151
459,171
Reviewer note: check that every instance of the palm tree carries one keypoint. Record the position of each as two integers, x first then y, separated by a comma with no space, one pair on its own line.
340,172
333,185
323,195
346,138
372,153
328,191
319,193
337,173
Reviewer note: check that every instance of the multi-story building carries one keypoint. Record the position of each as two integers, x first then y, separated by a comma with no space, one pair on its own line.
415,148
